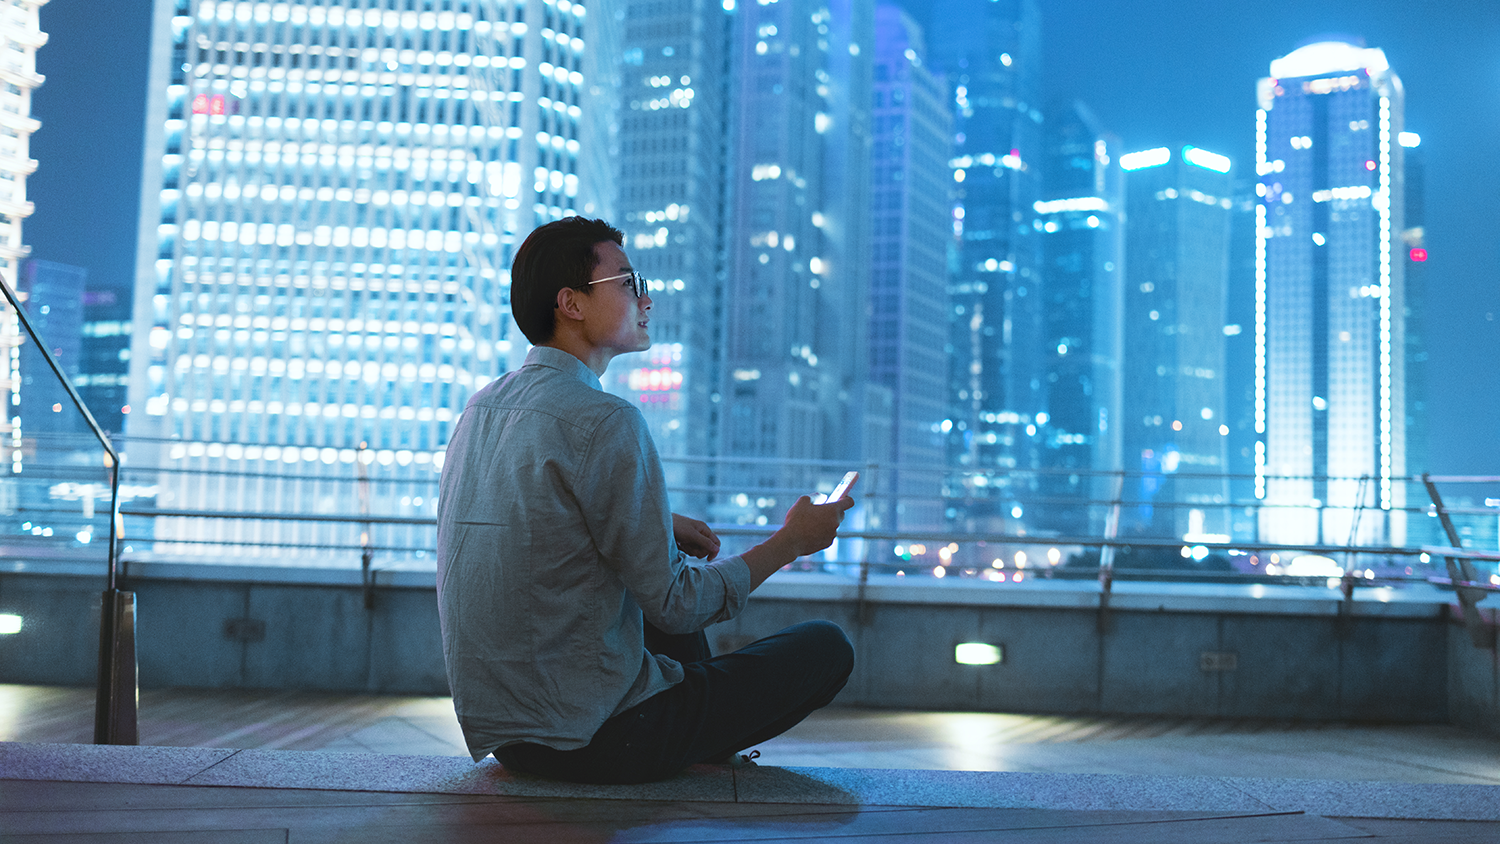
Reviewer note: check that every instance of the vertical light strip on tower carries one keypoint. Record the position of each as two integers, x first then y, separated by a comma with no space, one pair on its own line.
1383,206
1262,234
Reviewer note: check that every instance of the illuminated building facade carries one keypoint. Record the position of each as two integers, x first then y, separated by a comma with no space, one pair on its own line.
54,295
1330,349
908,296
20,28
1172,419
673,144
989,55
1075,435
1239,357
1414,257
21,32
333,195
798,254
104,357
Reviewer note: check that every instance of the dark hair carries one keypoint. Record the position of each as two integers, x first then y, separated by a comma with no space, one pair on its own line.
557,255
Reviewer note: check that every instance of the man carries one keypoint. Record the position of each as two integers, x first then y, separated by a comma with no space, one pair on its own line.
572,620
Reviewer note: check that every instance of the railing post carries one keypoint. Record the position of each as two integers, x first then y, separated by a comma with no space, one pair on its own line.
1460,571
1107,553
117,698
366,544
861,604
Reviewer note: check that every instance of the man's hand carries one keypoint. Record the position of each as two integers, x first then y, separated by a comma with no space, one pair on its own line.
694,538
808,529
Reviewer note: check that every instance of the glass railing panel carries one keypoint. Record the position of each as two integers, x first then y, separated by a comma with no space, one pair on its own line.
55,474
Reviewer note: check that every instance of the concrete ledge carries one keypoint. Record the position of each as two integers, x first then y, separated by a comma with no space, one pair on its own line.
826,786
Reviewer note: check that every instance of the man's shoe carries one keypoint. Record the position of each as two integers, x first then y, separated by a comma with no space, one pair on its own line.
740,760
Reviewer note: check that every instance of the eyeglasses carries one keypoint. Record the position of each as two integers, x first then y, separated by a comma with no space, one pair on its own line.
637,282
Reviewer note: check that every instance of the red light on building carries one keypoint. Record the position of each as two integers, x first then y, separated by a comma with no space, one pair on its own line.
663,378
1418,254
205,104
1370,165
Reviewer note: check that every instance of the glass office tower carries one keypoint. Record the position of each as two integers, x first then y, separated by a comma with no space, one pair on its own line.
989,54
1330,346
798,253
334,193
674,144
909,296
1075,436
1173,422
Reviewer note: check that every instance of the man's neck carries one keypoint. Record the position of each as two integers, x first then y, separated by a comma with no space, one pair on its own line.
596,359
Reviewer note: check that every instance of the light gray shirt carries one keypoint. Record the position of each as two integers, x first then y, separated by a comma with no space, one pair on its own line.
554,537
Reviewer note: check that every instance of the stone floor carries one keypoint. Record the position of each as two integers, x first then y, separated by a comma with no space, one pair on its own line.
261,767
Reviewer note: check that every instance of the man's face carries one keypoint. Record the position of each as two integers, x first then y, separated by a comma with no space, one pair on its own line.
616,318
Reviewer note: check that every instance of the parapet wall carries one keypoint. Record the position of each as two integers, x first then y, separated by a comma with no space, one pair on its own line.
1182,650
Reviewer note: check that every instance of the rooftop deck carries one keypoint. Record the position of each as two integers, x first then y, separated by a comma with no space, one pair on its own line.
295,767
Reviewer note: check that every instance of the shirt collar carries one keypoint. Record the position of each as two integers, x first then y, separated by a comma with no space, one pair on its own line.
563,361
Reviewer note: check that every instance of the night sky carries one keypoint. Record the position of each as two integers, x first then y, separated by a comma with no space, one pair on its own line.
1157,72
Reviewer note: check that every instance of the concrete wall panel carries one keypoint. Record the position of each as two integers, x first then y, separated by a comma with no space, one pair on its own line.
1151,664
1391,671
59,639
180,639
406,644
315,638
1051,661
1284,668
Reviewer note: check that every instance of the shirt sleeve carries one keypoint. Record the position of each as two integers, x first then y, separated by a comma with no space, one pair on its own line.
622,493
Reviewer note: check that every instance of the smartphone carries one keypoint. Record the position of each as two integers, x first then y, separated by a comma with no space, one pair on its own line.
842,488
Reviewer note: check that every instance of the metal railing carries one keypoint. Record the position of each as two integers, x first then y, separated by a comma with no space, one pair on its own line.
381,516
49,466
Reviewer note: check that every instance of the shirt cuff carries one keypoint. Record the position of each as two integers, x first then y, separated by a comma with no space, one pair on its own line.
736,574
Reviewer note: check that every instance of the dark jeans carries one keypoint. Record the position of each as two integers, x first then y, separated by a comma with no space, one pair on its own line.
723,705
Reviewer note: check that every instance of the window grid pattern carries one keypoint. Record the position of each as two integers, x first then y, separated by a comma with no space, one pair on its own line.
343,187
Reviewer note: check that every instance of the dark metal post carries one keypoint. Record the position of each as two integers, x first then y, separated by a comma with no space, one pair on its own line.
118,698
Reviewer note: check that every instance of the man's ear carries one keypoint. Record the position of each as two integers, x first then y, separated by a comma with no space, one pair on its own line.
568,304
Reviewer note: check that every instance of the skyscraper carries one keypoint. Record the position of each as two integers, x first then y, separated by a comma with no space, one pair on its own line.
338,189
54,295
20,25
909,296
1075,437
798,257
989,54
1330,297
1172,417
1239,357
21,29
1414,257
673,146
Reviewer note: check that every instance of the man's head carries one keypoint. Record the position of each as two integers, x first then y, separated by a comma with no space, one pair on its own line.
559,255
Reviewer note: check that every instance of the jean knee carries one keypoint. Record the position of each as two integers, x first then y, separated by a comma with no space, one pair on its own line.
828,639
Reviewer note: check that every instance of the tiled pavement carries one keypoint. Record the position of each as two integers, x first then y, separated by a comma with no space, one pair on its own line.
56,793
843,776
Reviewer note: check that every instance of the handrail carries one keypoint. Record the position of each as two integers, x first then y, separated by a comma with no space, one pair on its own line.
875,535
